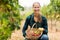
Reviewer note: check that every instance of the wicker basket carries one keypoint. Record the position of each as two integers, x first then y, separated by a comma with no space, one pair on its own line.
34,30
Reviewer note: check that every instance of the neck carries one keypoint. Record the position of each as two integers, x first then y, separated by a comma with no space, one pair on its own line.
36,14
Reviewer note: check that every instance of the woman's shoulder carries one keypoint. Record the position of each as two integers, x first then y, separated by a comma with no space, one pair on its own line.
44,18
29,17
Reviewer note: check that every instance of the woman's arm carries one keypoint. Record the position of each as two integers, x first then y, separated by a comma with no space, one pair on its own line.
45,26
25,26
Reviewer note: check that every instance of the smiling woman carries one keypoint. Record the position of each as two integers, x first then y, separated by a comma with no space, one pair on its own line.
35,21
28,3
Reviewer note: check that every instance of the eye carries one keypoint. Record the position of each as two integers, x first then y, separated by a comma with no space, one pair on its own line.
37,7
34,7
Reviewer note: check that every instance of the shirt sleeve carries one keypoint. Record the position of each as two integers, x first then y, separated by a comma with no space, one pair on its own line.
25,26
45,26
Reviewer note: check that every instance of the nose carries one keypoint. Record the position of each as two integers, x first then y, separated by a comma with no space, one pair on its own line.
36,8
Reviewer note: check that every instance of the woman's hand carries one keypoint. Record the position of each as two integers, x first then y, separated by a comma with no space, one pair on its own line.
28,34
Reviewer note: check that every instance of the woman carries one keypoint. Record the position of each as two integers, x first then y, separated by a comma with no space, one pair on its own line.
37,18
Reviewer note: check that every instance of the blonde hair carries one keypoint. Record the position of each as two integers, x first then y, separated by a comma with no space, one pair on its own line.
39,18
35,3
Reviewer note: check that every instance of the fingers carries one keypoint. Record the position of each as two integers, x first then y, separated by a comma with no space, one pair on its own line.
28,35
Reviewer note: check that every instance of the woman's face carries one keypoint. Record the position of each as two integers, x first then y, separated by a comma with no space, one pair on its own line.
36,8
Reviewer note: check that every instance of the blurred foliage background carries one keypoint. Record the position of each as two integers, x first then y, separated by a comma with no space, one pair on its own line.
52,11
9,17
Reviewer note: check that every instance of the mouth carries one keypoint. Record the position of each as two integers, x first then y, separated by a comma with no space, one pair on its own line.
36,10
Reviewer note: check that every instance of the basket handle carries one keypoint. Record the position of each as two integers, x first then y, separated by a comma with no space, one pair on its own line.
33,25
